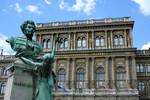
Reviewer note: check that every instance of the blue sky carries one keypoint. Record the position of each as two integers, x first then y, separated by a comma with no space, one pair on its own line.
14,12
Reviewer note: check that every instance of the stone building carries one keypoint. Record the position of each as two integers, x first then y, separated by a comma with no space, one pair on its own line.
96,60
5,62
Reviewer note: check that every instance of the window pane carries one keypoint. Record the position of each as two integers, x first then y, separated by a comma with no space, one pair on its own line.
79,43
48,44
137,68
121,40
84,42
141,87
44,44
97,42
116,41
102,41
66,43
148,68
141,68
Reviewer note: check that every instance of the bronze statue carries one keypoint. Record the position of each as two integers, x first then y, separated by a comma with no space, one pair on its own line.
25,46
28,52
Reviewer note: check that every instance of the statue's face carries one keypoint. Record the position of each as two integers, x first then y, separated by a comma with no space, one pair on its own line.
29,30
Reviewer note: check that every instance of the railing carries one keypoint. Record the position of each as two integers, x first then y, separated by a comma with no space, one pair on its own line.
6,57
143,52
80,22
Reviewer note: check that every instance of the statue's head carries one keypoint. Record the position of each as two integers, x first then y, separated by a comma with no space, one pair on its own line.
28,28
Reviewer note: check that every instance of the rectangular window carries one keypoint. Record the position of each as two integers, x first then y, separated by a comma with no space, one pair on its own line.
137,68
148,68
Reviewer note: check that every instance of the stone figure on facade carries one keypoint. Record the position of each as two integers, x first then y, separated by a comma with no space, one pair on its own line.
27,52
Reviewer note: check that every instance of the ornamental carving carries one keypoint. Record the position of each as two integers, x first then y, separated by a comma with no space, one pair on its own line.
62,63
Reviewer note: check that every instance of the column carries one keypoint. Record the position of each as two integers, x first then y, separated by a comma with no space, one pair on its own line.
67,73
106,71
113,73
87,41
131,41
125,38
70,42
92,73
93,42
111,39
87,74
73,74
127,72
74,40
106,40
134,76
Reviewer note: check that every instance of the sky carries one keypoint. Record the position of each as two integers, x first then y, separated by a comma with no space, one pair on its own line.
14,12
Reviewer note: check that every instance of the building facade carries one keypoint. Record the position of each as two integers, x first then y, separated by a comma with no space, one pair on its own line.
96,60
5,63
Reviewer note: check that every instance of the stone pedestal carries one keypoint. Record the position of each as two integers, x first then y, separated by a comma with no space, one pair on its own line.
20,82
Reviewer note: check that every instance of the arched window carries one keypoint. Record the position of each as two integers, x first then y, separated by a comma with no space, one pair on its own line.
61,75
121,40
140,68
100,74
81,42
80,78
3,71
97,42
120,77
116,42
44,44
102,41
2,88
61,78
48,43
64,43
141,87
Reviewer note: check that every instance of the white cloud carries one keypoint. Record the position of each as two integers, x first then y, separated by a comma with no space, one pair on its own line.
86,6
33,9
146,46
5,46
17,7
144,6
47,2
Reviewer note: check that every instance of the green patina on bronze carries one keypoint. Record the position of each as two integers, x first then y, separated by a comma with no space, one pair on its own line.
28,51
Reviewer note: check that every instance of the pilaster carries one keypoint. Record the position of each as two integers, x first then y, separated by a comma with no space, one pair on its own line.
92,72
73,74
111,39
106,71
67,72
93,42
134,76
113,73
106,40
87,73
127,72
125,38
